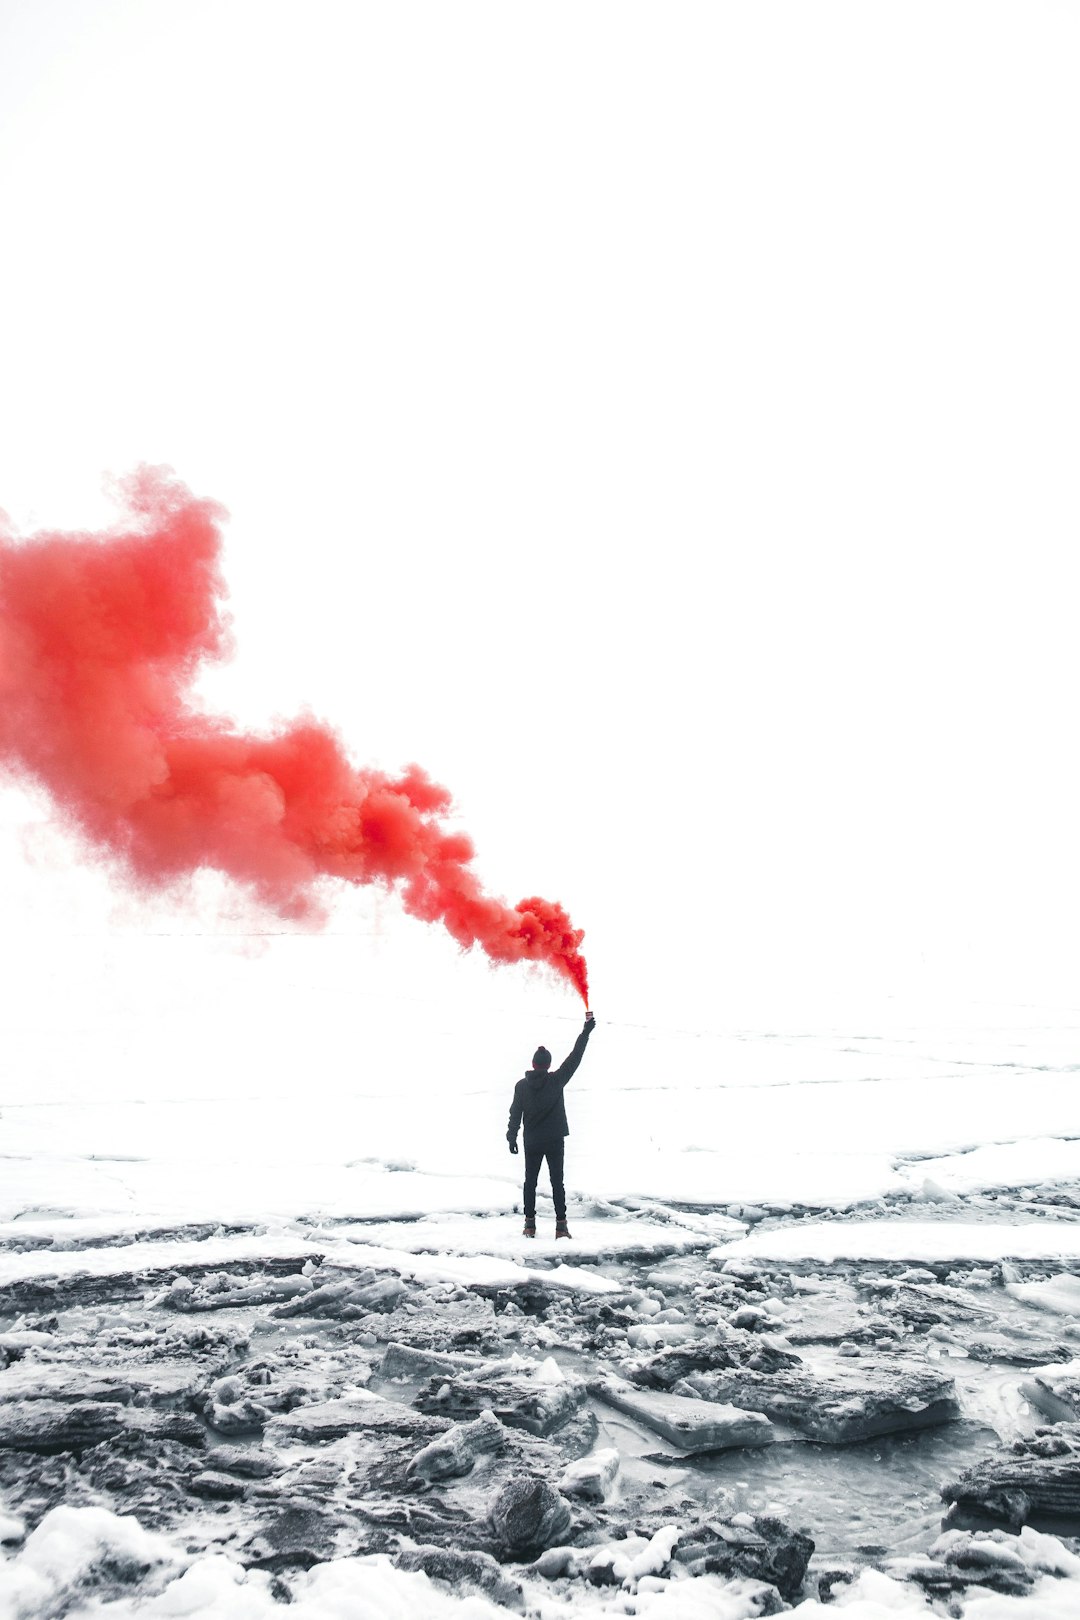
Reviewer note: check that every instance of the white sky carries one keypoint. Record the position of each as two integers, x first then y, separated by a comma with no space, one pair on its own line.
659,421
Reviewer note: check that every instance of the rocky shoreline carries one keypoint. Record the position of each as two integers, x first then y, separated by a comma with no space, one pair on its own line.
553,1439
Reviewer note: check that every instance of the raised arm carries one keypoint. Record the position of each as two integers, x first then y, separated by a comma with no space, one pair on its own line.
567,1070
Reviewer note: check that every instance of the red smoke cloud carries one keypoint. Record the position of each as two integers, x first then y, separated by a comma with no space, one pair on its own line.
100,637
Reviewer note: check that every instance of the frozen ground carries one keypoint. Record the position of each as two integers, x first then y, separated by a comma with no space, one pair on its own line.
822,1154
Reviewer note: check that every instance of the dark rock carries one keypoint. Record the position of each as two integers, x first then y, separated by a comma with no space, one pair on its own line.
473,1571
869,1400
531,1298
1017,1352
54,1426
299,1539
247,1461
330,1420
1018,1490
528,1515
665,1369
216,1487
769,1551
54,1294
455,1452
520,1400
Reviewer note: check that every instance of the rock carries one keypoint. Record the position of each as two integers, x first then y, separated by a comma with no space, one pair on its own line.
1016,1352
1055,1391
691,1424
404,1361
454,1452
346,1300
716,1353
992,1560
54,1426
249,1462
764,1549
242,1416
591,1477
529,1399
298,1539
330,1420
218,1292
871,1399
1018,1490
473,1571
665,1369
466,1323
528,1515
626,1562
555,1562
217,1487
940,1580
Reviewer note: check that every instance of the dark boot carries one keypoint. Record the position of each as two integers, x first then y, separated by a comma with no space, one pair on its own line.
561,1229
530,1228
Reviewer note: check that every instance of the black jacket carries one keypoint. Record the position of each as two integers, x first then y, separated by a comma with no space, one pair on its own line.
538,1099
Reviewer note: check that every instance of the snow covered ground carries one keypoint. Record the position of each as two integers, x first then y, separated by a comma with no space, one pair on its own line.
793,1145
387,1126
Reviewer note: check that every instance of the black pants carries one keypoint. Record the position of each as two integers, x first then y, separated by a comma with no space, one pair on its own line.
534,1158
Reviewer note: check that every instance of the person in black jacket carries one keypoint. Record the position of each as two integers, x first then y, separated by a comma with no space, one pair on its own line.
538,1101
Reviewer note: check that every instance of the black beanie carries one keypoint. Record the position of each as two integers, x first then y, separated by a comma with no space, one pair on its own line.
541,1058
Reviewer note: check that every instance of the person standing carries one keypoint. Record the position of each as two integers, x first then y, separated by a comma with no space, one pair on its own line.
538,1104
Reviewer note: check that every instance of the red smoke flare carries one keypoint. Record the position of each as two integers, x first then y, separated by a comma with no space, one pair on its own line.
100,637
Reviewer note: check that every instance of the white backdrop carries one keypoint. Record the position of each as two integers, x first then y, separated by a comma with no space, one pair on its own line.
658,421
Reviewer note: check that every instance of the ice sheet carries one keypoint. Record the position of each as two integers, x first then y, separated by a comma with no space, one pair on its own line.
908,1240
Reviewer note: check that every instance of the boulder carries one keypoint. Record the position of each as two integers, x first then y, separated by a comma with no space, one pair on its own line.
849,1405
689,1423
1028,1487
760,1548
528,1515
538,1400
454,1452
465,1571
217,1487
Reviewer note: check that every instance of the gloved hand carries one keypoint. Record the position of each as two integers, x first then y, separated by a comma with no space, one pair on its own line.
590,1021
513,1147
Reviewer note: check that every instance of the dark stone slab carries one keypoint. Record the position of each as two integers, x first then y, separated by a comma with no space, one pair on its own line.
767,1550
520,1400
876,1398
465,1571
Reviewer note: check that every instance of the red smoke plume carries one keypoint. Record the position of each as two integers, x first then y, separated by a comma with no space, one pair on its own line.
100,637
